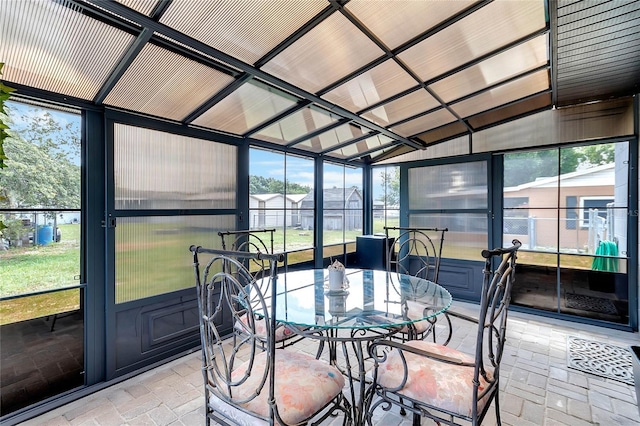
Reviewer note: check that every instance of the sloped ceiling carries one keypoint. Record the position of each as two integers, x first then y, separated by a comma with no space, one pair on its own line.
597,47
352,80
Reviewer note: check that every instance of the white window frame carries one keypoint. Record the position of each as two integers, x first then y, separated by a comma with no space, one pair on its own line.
584,223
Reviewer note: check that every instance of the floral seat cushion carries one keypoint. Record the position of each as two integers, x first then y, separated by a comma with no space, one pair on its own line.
282,332
303,386
443,385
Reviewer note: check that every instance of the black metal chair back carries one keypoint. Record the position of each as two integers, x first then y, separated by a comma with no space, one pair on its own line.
415,251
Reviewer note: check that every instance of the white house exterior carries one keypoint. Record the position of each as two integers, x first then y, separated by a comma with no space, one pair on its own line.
274,210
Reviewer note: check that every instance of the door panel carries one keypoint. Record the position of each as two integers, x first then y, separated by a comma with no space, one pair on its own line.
149,333
165,192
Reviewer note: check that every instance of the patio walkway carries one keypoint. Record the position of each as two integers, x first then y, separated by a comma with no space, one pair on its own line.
537,386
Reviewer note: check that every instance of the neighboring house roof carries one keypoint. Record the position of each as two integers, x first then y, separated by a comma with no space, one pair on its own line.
294,198
603,175
265,197
337,194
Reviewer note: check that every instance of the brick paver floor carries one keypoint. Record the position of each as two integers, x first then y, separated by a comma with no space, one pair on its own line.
537,387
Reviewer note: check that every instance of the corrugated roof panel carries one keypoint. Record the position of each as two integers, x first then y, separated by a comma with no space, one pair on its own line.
505,93
245,108
445,132
414,103
490,28
245,30
51,46
143,6
371,87
165,84
396,22
498,68
517,109
328,52
200,53
424,123
453,147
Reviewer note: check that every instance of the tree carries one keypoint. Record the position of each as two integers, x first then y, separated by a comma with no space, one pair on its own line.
523,167
263,185
5,92
42,164
391,184
596,155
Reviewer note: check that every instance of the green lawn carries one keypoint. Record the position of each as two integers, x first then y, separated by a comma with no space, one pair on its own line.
153,259
36,268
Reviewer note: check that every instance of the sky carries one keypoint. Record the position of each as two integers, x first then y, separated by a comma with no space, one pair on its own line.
17,109
20,113
300,170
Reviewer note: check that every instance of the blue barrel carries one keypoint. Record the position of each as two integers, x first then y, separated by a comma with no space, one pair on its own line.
45,235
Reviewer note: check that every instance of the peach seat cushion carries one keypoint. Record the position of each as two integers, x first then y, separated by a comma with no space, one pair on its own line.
282,332
303,386
443,385
416,310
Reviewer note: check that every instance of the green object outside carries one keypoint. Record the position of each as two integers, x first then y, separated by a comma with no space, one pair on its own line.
609,264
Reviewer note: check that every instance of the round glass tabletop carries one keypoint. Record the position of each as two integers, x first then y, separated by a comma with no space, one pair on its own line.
368,299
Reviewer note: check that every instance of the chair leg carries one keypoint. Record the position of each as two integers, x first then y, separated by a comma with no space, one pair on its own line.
320,349
497,404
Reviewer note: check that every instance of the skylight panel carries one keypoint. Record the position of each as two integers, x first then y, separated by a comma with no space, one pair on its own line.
424,123
362,146
401,108
296,125
333,137
245,108
371,87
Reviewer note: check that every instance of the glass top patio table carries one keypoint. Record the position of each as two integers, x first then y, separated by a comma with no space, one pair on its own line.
370,299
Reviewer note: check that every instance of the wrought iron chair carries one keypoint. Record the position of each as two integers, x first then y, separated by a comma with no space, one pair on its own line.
417,252
249,240
439,382
249,381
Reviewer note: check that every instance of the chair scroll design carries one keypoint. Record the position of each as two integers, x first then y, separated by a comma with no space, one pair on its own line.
416,252
257,388
439,382
249,240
